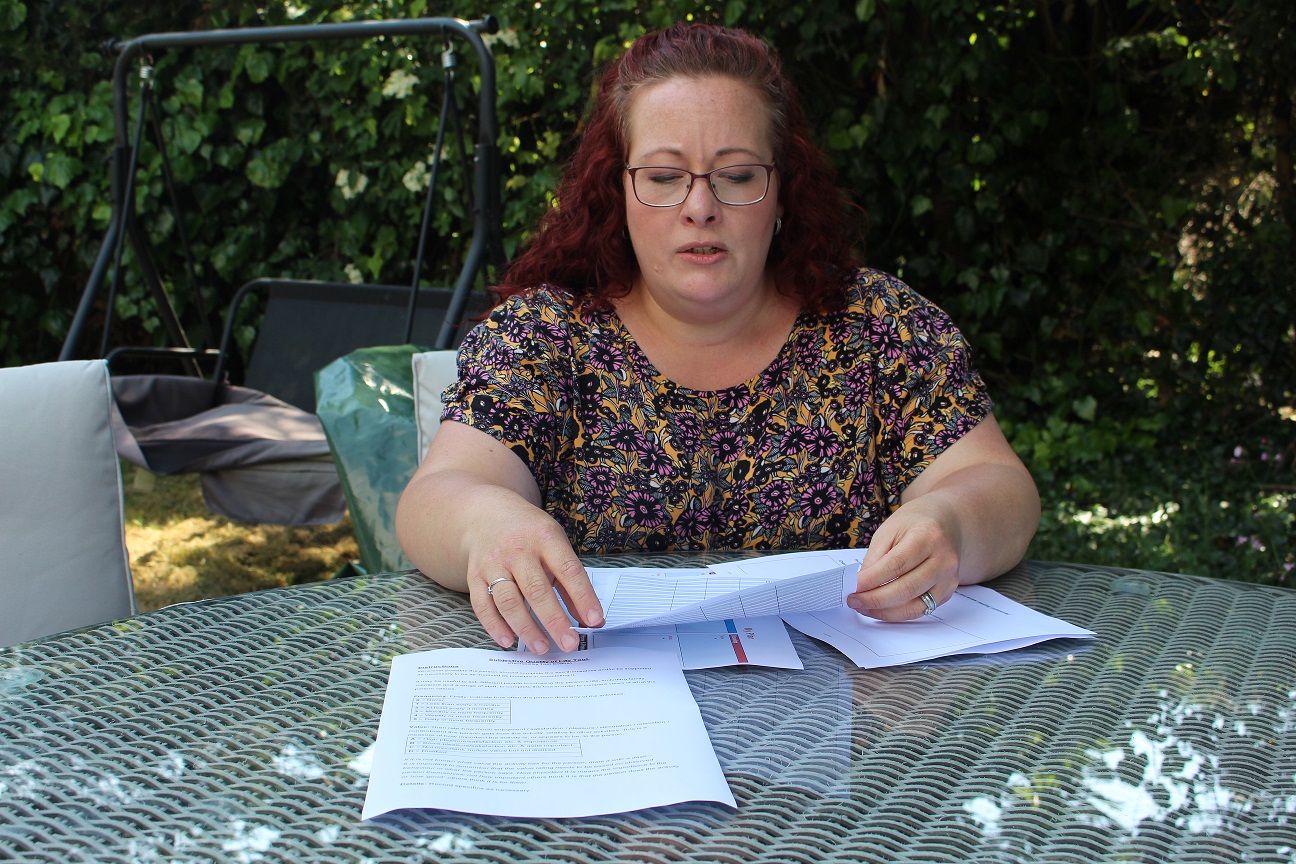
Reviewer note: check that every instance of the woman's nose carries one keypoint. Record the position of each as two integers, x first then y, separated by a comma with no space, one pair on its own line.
700,204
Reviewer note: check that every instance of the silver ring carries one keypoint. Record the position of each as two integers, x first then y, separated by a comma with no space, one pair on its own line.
490,586
928,601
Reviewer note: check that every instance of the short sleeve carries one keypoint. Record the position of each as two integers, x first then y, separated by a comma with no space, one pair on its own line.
929,393
515,379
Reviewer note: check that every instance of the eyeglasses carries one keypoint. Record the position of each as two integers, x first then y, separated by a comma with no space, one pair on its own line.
738,185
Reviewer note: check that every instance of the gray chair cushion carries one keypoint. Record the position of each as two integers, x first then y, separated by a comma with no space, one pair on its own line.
63,559
294,492
434,371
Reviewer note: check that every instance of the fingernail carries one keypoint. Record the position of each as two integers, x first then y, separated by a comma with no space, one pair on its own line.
594,617
568,641
540,646
504,642
855,604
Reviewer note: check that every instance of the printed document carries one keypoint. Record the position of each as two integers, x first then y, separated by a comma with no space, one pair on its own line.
646,597
509,734
705,644
808,590
976,620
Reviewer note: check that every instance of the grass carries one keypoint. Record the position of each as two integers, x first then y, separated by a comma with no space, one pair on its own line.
180,550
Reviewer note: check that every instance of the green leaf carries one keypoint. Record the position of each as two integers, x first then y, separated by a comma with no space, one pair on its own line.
58,126
734,10
187,139
270,168
920,204
61,169
980,152
249,131
12,14
189,91
937,114
1086,408
865,9
1173,209
841,139
18,201
260,65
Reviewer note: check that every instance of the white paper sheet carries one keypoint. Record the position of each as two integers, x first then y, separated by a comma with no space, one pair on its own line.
793,563
509,734
644,597
976,619
706,644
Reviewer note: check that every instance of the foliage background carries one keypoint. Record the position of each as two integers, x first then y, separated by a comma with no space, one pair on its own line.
1099,191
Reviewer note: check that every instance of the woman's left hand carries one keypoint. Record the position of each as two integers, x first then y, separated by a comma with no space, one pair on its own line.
966,518
914,552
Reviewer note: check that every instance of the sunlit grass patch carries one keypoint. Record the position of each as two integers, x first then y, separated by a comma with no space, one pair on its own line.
181,551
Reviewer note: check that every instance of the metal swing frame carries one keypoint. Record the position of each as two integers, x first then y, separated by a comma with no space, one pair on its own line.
486,245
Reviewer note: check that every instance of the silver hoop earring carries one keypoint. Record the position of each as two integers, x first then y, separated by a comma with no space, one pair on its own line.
778,225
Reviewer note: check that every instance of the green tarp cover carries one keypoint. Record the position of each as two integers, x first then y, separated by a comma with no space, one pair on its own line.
365,401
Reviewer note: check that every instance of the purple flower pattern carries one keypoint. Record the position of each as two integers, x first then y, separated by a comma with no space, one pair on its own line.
814,451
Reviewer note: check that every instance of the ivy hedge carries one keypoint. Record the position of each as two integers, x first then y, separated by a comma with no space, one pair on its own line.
1099,191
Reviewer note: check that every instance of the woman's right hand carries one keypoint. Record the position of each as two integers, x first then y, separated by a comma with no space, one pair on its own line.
471,520
517,572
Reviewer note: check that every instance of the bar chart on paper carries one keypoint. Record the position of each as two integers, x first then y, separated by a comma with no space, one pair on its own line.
700,645
704,644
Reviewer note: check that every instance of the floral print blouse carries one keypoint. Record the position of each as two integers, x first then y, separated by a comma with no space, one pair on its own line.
811,453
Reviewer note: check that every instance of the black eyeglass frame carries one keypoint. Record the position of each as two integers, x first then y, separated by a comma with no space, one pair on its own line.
706,175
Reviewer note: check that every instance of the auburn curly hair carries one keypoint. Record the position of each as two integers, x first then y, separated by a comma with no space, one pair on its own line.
581,244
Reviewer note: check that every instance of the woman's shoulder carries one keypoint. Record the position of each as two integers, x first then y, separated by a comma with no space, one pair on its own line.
547,301
882,308
870,289
546,308
874,294
543,321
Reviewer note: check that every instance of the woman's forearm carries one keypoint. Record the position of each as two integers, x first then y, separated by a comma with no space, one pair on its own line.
441,515
996,508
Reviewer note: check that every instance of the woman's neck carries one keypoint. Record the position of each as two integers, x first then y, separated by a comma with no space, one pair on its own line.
709,354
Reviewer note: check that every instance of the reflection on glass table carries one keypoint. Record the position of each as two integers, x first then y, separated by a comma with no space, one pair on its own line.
239,730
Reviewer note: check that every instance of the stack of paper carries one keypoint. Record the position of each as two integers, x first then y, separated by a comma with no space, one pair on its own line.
698,613
507,734
616,729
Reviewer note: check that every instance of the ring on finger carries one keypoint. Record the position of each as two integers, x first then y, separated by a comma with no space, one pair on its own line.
490,586
928,601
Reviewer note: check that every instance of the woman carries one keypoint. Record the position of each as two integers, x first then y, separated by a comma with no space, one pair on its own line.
688,357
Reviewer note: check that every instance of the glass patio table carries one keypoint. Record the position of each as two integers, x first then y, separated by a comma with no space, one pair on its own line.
239,730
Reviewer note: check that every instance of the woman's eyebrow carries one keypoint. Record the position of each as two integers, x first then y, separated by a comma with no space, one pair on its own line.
675,151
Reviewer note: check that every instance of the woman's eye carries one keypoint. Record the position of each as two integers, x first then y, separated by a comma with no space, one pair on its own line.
665,177
736,178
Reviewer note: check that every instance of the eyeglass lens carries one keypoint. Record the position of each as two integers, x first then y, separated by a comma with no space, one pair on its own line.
733,184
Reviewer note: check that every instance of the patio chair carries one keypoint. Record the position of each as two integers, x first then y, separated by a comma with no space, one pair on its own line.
63,559
264,458
259,449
